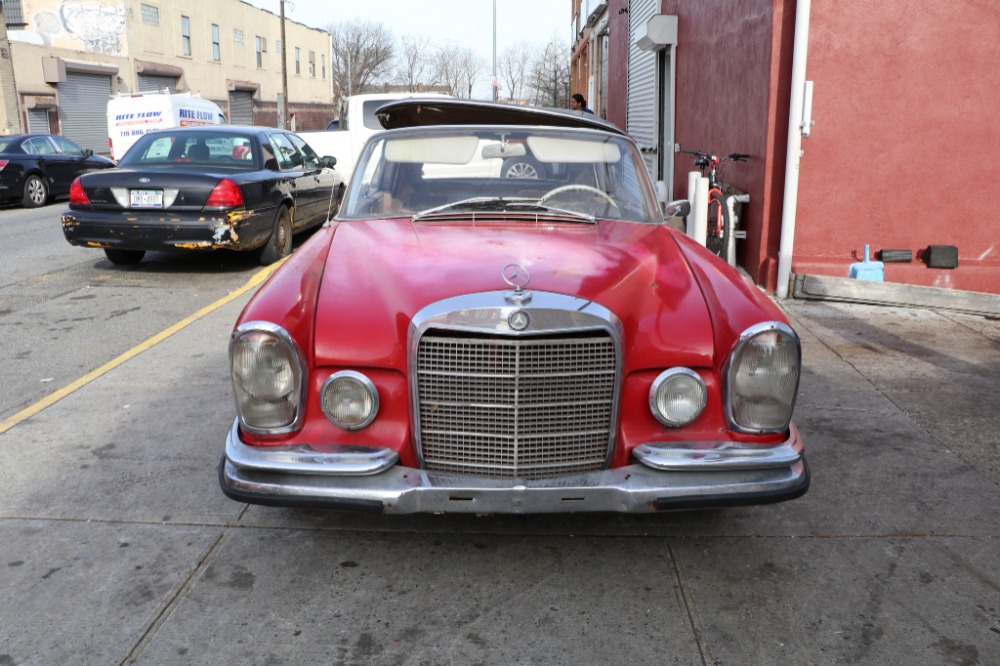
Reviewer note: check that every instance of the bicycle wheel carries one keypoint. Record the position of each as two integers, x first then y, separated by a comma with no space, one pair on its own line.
717,239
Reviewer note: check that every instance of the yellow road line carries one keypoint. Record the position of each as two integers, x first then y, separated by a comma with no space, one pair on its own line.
255,281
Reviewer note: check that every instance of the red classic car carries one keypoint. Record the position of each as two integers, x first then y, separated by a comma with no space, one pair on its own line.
460,340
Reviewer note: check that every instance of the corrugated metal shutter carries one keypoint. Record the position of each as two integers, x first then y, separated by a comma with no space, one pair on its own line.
38,121
642,106
157,83
83,110
241,108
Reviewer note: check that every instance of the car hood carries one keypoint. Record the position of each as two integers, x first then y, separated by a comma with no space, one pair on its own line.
380,273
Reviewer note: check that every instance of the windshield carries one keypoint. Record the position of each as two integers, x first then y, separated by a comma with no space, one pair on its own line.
431,171
225,150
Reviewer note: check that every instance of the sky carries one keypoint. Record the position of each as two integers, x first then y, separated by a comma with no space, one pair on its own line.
457,23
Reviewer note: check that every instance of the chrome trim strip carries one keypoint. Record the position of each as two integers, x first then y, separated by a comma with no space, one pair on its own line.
635,488
489,312
682,456
343,461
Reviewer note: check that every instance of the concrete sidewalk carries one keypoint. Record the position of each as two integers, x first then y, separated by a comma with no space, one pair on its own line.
116,545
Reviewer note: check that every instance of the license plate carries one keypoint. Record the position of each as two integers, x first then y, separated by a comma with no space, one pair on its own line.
147,199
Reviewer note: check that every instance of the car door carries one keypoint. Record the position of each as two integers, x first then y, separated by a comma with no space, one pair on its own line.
69,162
292,165
328,181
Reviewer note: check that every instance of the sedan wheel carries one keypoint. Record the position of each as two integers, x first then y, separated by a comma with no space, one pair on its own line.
36,193
124,257
279,245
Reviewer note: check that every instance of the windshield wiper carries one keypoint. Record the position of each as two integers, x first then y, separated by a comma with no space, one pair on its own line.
499,204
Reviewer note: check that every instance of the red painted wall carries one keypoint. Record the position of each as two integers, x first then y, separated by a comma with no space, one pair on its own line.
905,152
728,56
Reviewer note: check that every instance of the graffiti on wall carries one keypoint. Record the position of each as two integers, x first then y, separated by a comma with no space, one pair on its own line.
80,25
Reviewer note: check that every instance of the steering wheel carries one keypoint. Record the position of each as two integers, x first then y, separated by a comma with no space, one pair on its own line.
575,186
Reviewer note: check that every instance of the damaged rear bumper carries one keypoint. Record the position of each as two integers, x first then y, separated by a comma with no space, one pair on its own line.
161,231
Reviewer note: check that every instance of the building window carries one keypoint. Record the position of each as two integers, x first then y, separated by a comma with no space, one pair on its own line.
322,64
185,36
237,37
298,65
150,14
277,46
14,14
216,51
260,53
312,64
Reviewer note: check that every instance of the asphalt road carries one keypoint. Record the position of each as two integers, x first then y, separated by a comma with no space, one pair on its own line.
116,546
65,311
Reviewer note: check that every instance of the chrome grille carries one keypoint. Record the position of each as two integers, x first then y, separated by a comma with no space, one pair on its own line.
508,407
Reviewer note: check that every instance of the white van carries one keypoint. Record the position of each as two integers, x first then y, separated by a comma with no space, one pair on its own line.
130,115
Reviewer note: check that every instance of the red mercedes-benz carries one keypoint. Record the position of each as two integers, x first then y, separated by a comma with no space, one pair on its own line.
459,340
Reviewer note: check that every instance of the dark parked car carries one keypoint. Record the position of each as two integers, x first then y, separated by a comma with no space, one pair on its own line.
204,188
460,341
35,168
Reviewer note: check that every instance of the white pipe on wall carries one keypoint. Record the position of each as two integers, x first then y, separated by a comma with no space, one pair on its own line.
793,157
700,211
692,195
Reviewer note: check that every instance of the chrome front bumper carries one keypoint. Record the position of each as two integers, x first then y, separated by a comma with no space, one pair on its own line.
674,476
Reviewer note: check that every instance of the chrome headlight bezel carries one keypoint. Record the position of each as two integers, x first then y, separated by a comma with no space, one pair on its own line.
733,367
297,365
361,381
674,376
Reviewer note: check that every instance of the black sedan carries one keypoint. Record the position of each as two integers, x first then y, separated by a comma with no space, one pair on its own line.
204,188
37,167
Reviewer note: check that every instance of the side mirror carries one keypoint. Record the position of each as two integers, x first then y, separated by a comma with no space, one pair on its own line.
679,208
87,152
329,161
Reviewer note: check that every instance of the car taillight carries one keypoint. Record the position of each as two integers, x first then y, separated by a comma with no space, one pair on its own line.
3,163
77,195
226,194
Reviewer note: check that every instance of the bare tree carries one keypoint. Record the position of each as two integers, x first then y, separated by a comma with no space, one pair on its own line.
414,63
548,81
459,69
513,66
362,57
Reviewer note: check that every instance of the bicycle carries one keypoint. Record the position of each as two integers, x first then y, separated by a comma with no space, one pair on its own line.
720,223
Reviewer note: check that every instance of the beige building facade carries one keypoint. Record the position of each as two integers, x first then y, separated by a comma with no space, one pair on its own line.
70,56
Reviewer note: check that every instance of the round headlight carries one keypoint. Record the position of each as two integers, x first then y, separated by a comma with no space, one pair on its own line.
349,399
267,375
677,397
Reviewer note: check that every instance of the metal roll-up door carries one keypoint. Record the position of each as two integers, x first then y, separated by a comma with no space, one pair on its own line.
157,83
241,107
642,101
38,121
83,109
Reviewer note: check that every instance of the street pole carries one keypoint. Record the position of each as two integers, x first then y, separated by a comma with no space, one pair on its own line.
284,71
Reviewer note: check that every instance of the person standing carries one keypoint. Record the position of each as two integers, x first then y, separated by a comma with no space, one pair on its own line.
579,103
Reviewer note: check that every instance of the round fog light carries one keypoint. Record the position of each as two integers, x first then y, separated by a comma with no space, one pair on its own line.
349,399
677,397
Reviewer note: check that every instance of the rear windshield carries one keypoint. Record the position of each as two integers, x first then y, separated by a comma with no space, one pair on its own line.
5,144
231,151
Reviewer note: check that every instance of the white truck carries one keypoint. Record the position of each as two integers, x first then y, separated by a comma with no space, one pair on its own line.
357,123
130,115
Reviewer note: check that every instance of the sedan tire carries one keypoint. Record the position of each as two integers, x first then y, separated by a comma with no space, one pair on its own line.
124,257
279,245
36,192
